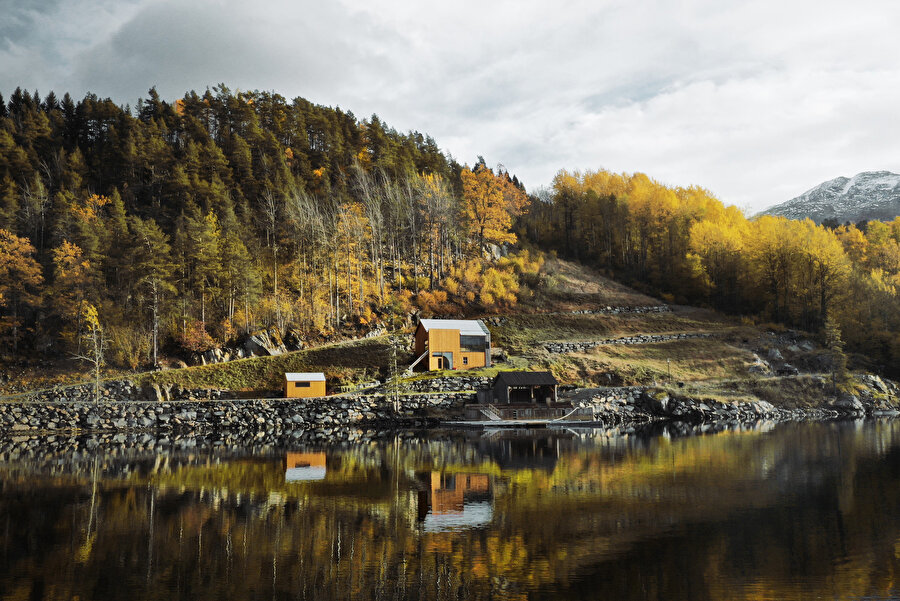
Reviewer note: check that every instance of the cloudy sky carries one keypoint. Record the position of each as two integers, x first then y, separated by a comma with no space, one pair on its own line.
756,101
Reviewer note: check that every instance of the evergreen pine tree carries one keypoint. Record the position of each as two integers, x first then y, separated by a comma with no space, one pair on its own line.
9,204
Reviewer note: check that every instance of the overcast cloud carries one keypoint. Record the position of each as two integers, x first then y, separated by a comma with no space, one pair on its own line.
756,101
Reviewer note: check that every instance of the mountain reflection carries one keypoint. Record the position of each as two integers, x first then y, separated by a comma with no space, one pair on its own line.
790,512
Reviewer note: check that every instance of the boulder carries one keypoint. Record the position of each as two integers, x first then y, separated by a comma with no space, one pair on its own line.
787,369
153,393
848,403
264,342
759,366
875,383
215,355
656,402
775,355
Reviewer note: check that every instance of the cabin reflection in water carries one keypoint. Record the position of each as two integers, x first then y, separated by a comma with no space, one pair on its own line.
454,501
304,467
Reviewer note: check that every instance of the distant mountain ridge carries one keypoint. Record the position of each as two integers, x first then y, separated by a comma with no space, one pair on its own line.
868,195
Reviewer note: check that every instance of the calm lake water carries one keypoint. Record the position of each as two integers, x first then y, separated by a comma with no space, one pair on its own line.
794,511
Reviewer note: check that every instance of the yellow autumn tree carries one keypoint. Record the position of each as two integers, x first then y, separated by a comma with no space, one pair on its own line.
93,342
855,243
20,275
718,247
490,202
73,281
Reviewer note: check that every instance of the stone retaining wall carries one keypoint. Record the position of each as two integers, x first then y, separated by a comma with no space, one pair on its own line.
579,347
499,320
121,391
449,384
214,415
620,310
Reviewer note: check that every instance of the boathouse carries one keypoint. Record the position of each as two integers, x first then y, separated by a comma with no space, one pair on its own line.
304,385
521,387
452,344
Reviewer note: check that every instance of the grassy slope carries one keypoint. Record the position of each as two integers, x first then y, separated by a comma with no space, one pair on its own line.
570,286
716,366
342,363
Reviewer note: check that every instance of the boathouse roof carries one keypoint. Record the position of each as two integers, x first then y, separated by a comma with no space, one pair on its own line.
525,378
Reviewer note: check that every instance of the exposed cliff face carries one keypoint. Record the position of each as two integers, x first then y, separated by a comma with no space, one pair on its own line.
867,195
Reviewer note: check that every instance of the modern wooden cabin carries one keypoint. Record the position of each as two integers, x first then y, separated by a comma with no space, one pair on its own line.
304,385
452,344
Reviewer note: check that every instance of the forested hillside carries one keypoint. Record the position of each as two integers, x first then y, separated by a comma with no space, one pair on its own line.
686,244
177,227
181,226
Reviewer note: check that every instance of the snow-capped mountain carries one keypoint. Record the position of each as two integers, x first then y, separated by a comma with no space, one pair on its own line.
867,195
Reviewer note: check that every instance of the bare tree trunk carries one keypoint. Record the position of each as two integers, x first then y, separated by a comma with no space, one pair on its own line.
155,324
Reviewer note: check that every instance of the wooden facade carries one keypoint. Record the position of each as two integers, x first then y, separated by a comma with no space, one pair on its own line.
443,341
304,385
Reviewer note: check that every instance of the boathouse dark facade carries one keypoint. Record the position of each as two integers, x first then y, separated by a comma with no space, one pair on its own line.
518,387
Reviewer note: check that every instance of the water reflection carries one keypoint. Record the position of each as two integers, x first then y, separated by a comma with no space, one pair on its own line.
786,512
300,467
455,501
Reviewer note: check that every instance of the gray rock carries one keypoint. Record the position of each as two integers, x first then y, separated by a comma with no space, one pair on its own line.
657,403
787,369
264,342
849,403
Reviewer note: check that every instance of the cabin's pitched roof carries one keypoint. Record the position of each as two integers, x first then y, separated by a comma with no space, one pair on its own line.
305,377
466,327
525,378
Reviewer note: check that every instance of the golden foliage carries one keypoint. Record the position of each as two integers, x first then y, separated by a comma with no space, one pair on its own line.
490,203
685,243
89,211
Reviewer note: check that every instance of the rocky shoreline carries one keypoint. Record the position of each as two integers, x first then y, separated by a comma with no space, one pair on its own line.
125,407
639,404
655,406
327,414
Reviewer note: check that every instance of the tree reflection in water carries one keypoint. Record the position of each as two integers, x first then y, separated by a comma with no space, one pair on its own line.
794,512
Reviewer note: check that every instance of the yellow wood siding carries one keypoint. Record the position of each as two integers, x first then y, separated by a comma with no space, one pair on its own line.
474,360
292,391
442,341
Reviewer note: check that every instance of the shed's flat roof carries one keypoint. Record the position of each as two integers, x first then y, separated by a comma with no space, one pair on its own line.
305,377
468,327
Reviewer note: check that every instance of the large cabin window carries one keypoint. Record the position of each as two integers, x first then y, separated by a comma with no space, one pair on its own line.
473,344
